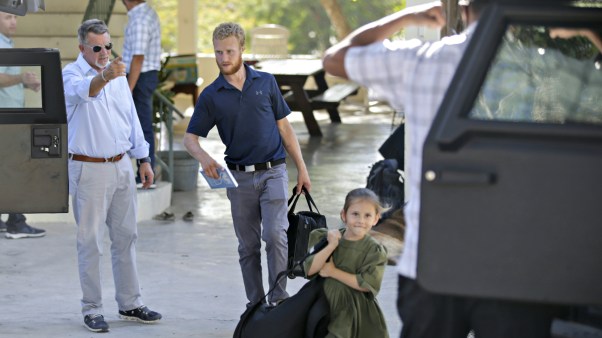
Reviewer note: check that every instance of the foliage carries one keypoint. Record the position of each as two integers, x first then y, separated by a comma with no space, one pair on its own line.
311,31
539,36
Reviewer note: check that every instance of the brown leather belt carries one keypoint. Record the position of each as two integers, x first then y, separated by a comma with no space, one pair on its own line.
84,158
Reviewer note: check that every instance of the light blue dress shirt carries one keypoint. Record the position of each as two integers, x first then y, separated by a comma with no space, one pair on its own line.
13,96
104,125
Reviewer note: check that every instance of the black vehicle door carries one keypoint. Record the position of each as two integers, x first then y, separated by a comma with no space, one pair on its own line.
512,167
33,135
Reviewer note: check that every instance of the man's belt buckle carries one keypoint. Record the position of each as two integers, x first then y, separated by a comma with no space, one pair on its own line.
250,168
113,159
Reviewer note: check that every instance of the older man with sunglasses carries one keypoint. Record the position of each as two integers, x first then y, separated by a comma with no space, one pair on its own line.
104,133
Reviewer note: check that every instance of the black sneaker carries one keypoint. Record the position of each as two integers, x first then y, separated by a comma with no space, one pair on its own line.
96,323
23,230
141,314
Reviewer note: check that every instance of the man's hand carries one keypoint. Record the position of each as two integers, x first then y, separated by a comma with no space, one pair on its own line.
428,15
210,167
114,70
31,81
146,175
567,33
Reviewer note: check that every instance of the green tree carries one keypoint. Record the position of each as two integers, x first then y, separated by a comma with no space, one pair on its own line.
310,26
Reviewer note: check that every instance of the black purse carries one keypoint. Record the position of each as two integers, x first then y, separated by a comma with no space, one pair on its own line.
300,225
304,315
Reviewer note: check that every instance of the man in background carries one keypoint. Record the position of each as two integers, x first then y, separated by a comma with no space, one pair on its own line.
142,56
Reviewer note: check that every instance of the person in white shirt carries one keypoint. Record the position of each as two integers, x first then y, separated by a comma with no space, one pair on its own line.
104,133
413,77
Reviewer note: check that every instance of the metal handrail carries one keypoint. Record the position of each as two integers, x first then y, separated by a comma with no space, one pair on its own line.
102,10
166,110
99,9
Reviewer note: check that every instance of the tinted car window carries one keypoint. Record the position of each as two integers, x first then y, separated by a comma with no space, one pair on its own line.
537,78
20,95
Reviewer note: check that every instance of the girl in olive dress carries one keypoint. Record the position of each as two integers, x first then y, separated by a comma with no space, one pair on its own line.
352,264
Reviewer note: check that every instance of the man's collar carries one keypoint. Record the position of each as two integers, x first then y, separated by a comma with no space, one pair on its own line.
83,64
6,39
139,7
251,72
470,29
223,83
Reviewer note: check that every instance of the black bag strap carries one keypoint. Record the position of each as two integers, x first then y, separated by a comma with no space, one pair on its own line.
280,276
294,198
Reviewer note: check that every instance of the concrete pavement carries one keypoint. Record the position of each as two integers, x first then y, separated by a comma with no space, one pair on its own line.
188,270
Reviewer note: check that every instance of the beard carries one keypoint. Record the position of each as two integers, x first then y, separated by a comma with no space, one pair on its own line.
232,68
100,65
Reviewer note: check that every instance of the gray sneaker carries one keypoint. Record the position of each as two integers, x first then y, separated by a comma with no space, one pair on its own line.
141,314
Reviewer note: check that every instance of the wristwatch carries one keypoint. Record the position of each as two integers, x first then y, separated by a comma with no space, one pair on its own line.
143,160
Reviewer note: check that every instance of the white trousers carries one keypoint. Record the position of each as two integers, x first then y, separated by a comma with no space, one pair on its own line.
104,194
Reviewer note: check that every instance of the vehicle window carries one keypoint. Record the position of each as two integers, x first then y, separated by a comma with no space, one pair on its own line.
544,75
20,87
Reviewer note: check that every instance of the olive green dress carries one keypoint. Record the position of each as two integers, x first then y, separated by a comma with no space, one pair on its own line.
354,314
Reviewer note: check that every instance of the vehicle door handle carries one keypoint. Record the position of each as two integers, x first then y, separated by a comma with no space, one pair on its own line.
459,177
46,142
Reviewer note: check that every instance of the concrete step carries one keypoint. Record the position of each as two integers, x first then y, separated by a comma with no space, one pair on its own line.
150,203
62,24
54,6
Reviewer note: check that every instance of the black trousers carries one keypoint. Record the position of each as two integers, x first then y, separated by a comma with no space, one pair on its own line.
14,219
428,315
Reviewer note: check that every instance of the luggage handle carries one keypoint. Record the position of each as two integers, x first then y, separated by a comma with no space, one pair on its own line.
308,199
285,273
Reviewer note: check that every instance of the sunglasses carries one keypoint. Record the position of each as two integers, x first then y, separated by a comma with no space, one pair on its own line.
97,49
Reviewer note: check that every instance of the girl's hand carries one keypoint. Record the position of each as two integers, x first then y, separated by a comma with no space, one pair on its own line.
328,269
333,238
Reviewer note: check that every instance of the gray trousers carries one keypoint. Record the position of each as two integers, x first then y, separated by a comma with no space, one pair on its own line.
104,194
261,200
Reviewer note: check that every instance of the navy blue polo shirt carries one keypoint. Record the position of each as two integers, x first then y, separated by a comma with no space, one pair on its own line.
246,121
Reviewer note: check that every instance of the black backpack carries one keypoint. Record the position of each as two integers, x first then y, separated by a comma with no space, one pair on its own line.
385,180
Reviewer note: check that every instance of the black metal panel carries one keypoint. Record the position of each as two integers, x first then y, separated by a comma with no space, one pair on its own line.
33,174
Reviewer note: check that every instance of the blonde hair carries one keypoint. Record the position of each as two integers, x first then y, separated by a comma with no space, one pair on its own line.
228,29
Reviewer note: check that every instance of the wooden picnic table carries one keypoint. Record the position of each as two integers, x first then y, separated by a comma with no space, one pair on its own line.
292,74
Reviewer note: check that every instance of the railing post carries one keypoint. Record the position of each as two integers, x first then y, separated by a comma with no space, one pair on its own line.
99,9
166,110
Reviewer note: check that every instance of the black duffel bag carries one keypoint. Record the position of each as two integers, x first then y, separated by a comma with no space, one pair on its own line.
300,225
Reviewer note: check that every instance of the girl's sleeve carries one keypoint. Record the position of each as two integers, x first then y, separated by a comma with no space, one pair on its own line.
314,237
370,274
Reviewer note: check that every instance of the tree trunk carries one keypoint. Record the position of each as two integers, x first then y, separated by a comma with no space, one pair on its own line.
338,20
454,21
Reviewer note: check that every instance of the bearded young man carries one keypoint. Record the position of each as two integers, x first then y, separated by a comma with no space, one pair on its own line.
250,114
